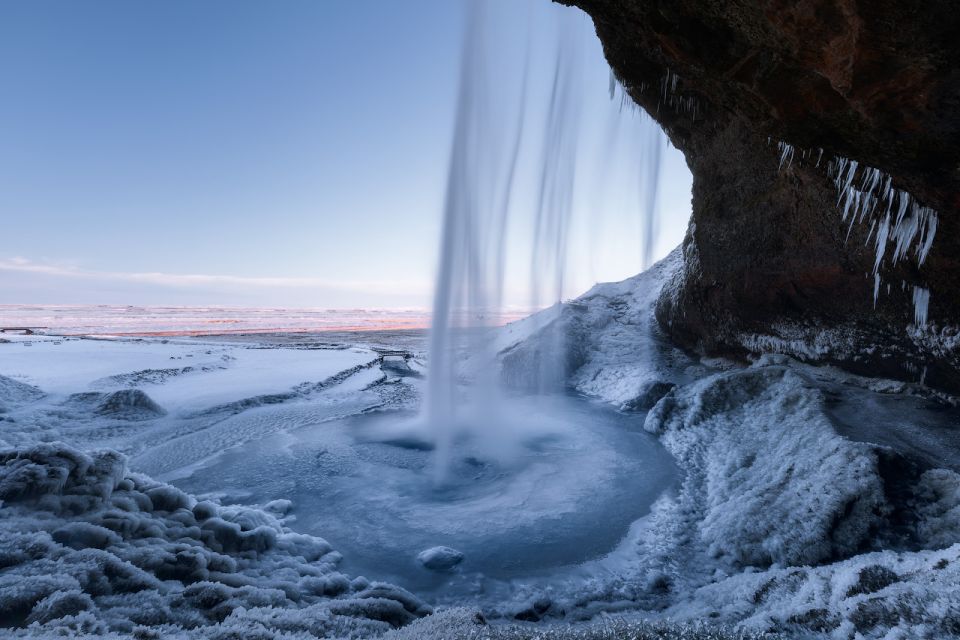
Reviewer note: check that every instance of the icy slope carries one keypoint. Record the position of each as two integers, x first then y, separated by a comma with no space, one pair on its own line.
605,343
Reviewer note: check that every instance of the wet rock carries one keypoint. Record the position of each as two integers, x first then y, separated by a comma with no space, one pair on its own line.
397,365
440,558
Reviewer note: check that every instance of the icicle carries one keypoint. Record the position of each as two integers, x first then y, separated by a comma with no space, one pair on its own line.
883,231
873,226
921,304
929,231
905,222
786,154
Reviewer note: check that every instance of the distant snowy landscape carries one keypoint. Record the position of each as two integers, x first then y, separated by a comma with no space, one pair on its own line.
211,486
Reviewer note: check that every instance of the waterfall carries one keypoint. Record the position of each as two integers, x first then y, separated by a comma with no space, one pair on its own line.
492,135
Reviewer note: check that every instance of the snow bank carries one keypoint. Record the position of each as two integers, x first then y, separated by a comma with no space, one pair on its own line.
14,393
468,624
768,478
604,344
875,595
87,546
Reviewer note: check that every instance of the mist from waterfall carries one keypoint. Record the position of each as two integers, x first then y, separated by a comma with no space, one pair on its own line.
497,156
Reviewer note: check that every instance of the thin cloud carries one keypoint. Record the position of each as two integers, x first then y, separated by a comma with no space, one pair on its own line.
193,281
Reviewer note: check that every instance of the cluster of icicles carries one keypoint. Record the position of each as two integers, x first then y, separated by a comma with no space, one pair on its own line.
669,96
866,193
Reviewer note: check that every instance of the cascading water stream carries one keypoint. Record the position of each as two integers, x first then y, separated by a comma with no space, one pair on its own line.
490,139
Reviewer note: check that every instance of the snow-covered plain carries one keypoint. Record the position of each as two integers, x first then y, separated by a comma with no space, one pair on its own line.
774,496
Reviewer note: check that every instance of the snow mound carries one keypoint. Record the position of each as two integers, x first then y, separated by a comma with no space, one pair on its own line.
14,393
86,546
440,558
468,624
876,595
131,404
768,478
605,344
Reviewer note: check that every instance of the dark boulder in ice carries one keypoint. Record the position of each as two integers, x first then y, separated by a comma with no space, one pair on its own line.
440,558
129,404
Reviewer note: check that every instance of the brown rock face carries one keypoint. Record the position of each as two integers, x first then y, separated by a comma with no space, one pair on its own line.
770,261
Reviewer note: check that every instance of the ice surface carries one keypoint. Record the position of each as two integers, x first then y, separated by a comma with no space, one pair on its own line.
569,493
180,375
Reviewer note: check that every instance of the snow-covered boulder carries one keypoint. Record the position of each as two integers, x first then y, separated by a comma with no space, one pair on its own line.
439,558
769,480
129,404
14,393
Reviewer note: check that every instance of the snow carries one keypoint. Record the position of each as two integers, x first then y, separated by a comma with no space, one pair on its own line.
769,479
614,350
780,497
810,502
84,541
183,375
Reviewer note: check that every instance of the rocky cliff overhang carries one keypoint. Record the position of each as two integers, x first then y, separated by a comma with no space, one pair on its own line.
824,141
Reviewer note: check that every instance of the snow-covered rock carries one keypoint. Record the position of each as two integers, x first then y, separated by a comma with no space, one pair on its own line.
14,393
605,343
87,546
130,404
769,480
439,558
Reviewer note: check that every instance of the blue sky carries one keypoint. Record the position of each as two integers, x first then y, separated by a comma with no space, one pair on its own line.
257,153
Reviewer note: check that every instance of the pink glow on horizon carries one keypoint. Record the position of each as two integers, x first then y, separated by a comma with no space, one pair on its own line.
98,320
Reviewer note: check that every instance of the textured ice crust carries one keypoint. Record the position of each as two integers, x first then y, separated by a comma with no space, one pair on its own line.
774,481
87,546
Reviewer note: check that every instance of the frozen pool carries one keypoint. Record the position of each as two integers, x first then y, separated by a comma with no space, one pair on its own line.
568,494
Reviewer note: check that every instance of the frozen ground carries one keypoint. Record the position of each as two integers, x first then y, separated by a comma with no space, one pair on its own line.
773,497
